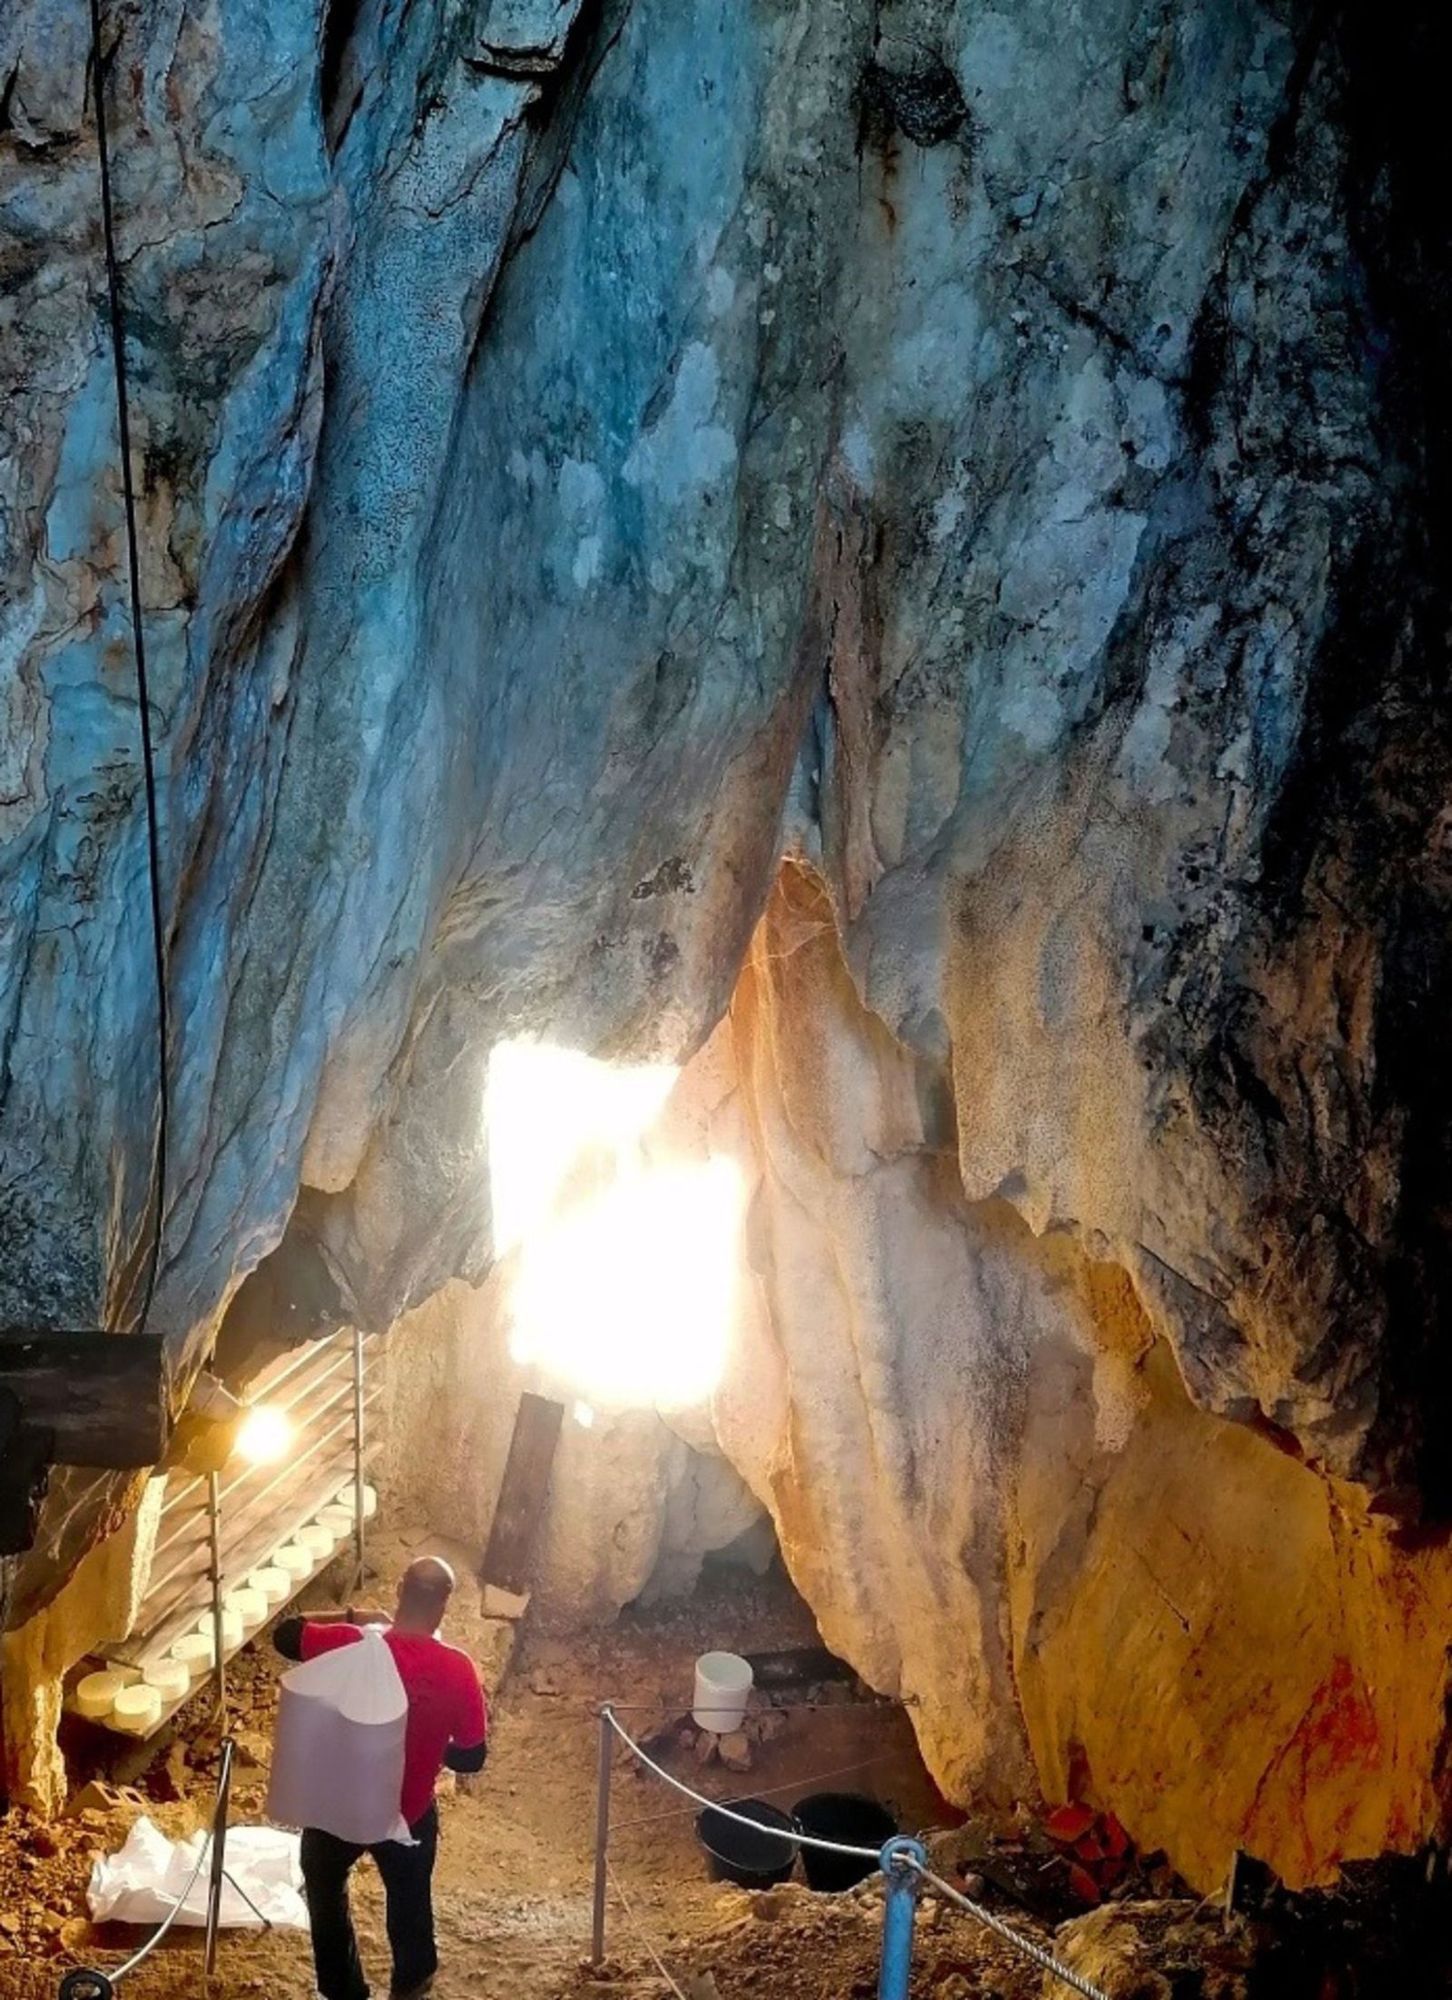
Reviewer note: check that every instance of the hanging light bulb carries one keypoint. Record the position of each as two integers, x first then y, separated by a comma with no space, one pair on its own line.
264,1434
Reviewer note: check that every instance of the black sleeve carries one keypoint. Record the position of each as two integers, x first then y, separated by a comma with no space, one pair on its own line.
287,1637
464,1761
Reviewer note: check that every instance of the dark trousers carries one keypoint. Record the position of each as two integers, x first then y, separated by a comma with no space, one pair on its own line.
407,1875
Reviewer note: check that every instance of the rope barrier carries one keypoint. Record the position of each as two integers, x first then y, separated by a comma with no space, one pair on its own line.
639,1929
872,1854
1045,1960
89,1983
1025,1946
137,1957
762,1791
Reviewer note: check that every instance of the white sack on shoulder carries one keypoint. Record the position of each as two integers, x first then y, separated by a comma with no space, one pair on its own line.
337,1755
141,1883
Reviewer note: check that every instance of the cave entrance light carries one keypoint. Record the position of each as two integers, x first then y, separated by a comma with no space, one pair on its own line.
623,1246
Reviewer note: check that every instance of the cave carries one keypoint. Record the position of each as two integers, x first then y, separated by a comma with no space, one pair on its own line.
726,892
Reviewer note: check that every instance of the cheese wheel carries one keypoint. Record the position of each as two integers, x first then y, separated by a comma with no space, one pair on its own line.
136,1707
294,1559
231,1628
249,1605
97,1692
370,1502
196,1653
273,1583
170,1678
317,1540
337,1520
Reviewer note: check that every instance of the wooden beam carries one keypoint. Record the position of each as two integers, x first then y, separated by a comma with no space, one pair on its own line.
100,1398
522,1493
24,1472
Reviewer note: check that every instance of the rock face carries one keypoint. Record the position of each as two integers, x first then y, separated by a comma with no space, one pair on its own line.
591,453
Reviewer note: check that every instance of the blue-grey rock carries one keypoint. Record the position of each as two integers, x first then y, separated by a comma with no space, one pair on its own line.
589,453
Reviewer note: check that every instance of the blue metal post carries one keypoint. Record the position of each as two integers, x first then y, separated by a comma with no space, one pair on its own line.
903,1882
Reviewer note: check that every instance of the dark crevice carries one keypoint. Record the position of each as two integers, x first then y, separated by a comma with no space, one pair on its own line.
1361,809
340,81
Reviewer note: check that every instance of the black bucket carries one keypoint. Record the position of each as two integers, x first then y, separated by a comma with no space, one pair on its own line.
737,1854
852,1818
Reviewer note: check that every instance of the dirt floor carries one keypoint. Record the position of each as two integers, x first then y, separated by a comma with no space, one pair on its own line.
513,1887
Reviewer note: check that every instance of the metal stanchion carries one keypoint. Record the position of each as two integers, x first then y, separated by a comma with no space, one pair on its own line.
602,1839
214,1530
901,1861
219,1856
86,1984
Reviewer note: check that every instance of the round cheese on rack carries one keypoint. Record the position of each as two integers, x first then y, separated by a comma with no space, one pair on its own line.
196,1653
273,1583
170,1678
317,1540
370,1502
231,1628
136,1707
295,1559
338,1520
96,1693
249,1605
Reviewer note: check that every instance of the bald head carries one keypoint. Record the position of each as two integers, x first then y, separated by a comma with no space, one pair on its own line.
424,1591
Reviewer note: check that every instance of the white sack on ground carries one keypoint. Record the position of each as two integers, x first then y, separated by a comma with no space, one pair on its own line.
337,1755
142,1883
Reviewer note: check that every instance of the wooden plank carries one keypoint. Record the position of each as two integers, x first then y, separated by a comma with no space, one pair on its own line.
522,1493
24,1466
100,1398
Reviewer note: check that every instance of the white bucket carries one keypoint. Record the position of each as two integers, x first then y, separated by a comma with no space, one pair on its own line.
723,1687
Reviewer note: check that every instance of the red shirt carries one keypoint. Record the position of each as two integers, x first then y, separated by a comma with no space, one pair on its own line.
446,1702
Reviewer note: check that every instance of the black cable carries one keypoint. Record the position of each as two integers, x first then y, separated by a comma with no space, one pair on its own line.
153,844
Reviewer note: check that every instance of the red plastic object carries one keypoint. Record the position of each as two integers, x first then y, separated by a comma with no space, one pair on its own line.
1083,1885
1066,1824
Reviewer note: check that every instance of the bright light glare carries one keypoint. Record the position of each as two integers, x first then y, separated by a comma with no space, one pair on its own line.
264,1434
630,1296
551,1114
624,1273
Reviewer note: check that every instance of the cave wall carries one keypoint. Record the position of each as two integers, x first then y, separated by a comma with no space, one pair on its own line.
588,452
1225,1646
986,1472
1083,1584
98,1600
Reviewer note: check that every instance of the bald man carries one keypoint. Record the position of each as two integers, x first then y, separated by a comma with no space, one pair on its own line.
448,1726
